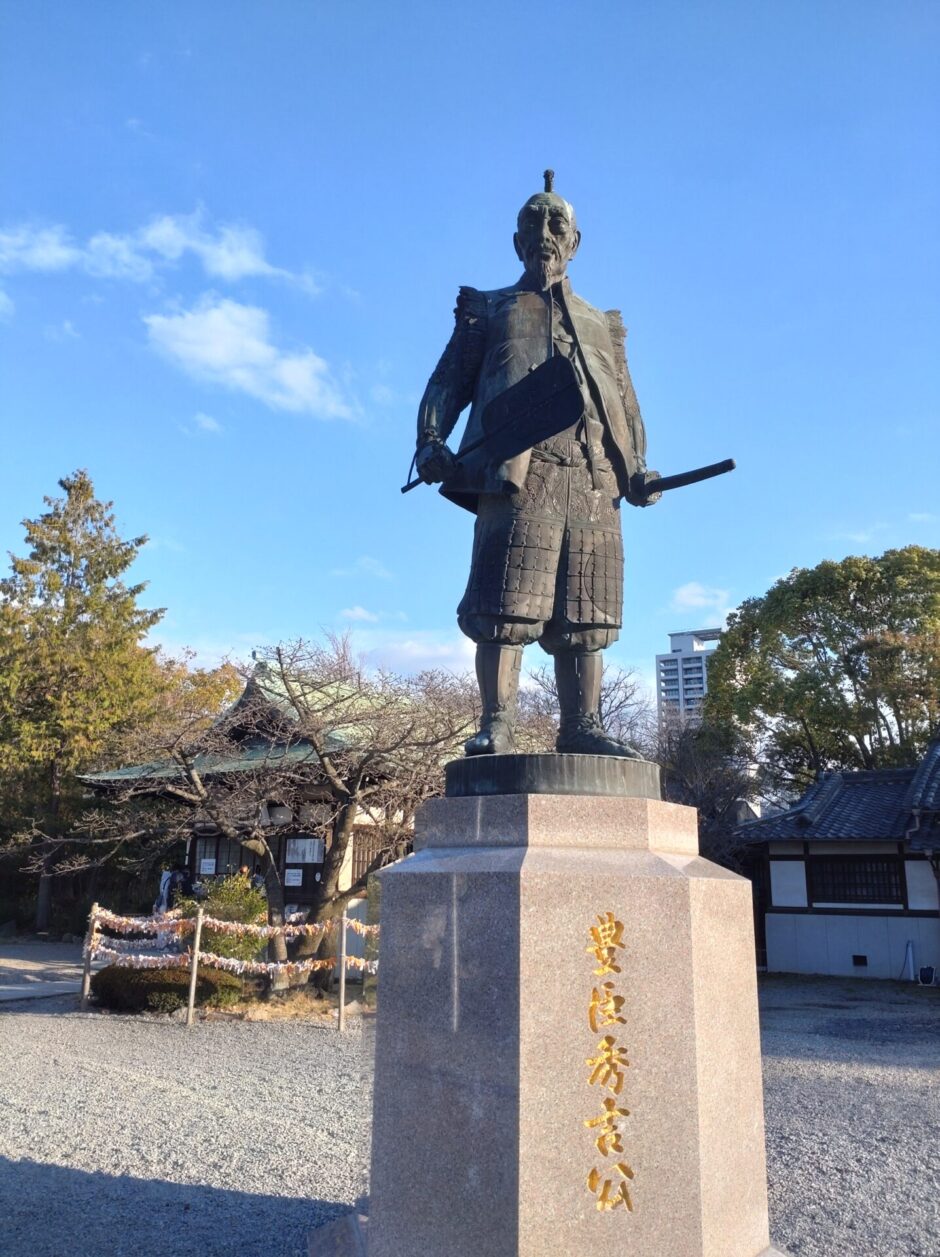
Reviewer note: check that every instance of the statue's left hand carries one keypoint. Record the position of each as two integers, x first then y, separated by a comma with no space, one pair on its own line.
435,462
641,479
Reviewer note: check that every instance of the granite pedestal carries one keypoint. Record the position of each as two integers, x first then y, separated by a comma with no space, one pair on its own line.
567,1052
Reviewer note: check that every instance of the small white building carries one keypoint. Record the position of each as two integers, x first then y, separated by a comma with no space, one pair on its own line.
682,674
848,883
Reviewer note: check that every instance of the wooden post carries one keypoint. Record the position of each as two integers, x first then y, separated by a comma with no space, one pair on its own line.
341,1021
197,937
89,940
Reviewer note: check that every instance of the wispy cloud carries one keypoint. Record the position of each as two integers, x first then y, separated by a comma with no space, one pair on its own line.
229,252
360,615
694,596
860,536
7,307
226,251
27,248
365,565
206,423
226,343
414,651
382,395
209,652
65,330
202,425
923,517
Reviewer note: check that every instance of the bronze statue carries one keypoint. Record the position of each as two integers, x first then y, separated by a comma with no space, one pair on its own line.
547,560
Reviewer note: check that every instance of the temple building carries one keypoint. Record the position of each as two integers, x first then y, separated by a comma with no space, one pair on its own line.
847,878
251,755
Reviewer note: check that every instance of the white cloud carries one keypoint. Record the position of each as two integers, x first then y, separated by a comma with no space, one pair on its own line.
693,596
206,423
228,251
360,614
7,307
227,343
415,651
365,564
27,248
209,652
107,256
923,517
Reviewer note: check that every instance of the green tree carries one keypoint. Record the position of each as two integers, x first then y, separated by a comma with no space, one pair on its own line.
73,669
835,667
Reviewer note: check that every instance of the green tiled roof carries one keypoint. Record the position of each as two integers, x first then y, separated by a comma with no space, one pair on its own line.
245,757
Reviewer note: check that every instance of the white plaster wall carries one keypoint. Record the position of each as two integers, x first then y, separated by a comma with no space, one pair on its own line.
921,885
817,943
788,883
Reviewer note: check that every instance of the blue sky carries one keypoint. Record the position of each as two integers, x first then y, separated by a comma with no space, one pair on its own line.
231,236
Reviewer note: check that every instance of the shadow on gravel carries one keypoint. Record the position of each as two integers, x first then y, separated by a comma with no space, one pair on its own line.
849,1021
49,1210
41,1006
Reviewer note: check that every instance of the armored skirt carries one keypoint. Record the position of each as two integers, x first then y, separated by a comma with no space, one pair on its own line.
548,561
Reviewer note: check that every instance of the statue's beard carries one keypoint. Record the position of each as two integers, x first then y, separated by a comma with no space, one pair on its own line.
546,271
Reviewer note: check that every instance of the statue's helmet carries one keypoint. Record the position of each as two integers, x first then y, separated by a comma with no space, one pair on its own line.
549,198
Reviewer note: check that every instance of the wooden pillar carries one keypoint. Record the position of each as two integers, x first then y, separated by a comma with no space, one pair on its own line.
341,1021
89,943
197,938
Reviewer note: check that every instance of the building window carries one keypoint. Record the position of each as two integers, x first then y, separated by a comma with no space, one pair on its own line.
305,849
206,856
854,879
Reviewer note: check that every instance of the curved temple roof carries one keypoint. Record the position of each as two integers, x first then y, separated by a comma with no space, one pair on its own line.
891,803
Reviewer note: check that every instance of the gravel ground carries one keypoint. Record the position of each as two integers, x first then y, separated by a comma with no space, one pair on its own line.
853,1116
118,1134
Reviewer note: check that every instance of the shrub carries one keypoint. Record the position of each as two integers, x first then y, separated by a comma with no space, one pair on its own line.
231,899
162,990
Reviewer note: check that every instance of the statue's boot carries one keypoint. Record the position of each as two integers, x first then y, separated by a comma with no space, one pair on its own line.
578,677
498,677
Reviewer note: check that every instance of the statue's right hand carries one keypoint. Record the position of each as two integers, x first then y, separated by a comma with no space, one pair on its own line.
435,462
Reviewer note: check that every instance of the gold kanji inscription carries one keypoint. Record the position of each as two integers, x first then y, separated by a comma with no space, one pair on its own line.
607,1139
604,1008
607,1197
606,940
608,1066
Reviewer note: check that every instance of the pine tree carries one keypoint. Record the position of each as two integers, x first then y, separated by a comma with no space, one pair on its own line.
73,667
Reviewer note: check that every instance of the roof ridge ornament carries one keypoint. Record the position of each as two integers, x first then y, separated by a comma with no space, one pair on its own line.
549,177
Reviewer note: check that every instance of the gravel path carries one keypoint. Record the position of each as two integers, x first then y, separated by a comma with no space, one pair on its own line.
118,1135
852,1100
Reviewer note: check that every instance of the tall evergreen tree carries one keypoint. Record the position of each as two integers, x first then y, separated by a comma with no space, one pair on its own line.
73,667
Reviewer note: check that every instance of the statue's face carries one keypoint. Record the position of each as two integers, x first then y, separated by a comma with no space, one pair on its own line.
547,238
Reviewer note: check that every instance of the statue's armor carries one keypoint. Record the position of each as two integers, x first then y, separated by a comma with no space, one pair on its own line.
547,553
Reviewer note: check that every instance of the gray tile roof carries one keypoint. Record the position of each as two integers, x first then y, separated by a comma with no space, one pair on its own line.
889,803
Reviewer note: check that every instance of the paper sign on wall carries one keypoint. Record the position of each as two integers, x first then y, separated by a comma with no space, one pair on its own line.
206,868
293,877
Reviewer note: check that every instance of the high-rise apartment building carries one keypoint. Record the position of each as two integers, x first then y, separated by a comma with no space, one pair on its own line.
682,675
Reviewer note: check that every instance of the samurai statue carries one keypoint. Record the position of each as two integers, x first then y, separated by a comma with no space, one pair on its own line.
547,561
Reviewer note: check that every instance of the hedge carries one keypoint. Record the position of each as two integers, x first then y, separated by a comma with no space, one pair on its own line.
162,990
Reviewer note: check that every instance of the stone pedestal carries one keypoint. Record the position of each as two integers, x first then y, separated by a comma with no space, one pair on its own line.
505,1027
